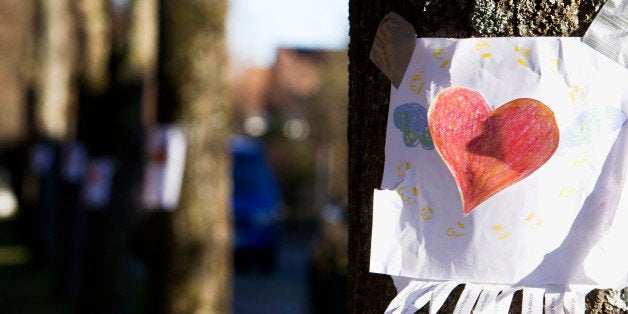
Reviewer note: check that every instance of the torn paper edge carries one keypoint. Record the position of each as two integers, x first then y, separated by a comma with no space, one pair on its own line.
488,298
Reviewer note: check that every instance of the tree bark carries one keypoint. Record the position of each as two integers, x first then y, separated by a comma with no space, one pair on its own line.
368,108
368,103
194,93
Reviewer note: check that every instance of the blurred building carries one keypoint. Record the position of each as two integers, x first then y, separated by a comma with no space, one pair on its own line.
298,106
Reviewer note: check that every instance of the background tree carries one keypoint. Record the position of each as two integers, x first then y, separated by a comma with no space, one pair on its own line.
55,116
52,119
194,93
368,106
99,56
118,41
16,19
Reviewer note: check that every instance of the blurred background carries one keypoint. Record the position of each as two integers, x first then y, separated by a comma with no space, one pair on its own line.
96,152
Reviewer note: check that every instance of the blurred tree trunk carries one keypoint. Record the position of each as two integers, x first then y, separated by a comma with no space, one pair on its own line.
54,114
368,105
86,270
94,24
91,29
112,84
16,34
53,106
194,93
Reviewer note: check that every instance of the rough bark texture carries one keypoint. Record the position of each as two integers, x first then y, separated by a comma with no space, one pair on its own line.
368,105
194,90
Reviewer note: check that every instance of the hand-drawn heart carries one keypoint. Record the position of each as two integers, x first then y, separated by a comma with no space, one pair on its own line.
485,150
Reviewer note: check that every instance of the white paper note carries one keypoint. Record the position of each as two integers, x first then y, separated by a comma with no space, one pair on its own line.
546,222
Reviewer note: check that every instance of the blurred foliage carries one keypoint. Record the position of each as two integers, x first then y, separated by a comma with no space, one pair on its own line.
25,290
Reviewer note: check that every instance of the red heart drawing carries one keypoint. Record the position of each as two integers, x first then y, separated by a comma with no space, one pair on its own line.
485,150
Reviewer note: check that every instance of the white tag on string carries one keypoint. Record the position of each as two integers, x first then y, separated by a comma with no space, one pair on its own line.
166,147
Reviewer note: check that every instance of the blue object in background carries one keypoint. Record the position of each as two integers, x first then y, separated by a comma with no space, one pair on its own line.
256,202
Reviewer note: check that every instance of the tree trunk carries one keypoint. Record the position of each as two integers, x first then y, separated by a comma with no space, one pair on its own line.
54,97
55,100
368,104
95,31
111,102
194,93
368,110
16,19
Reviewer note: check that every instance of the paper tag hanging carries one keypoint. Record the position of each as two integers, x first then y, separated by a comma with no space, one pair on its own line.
74,162
42,156
166,149
98,181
